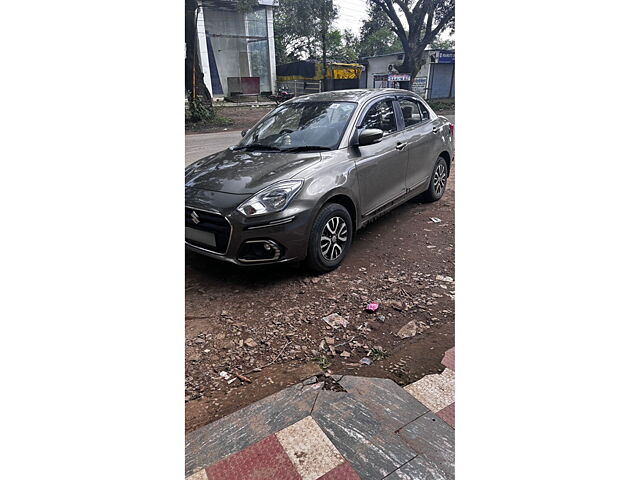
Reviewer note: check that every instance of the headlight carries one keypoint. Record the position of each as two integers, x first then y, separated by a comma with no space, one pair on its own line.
272,199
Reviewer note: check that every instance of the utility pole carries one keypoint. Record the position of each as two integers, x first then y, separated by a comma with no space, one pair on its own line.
195,52
324,45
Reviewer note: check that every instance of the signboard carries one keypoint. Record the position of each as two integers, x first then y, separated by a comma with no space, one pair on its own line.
420,85
447,57
399,77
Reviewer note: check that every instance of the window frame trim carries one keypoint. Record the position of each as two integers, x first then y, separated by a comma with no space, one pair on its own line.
367,107
419,101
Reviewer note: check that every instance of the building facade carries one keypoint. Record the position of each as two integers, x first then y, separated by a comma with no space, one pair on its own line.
236,44
436,78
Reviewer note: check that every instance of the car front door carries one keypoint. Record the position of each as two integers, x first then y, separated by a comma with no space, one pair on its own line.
422,141
381,167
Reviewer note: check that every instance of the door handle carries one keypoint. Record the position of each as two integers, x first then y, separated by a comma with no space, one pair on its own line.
436,129
400,145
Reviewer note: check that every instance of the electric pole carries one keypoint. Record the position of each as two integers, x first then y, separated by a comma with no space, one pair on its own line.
324,45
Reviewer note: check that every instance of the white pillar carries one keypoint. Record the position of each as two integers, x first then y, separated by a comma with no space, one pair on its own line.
202,49
272,48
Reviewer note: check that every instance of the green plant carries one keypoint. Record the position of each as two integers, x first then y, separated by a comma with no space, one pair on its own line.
378,354
442,105
323,362
200,111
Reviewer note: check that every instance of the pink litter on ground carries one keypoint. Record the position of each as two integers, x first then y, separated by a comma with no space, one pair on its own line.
372,307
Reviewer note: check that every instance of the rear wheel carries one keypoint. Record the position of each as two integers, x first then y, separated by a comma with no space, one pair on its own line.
330,238
438,182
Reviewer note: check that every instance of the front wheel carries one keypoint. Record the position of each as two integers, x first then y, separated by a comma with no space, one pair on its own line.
330,238
438,182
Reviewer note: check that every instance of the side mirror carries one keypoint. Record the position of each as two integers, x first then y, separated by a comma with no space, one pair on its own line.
243,132
369,136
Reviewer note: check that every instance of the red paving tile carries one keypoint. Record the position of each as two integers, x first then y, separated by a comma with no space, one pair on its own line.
449,359
448,414
265,460
344,471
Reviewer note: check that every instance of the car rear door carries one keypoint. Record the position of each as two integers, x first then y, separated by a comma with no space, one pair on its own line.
420,133
381,167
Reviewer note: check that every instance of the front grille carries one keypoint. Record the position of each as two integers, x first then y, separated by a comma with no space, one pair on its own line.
212,223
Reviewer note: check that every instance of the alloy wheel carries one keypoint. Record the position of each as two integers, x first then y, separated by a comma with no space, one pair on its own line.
333,238
439,179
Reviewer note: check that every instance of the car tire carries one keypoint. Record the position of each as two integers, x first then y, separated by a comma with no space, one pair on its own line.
437,182
330,238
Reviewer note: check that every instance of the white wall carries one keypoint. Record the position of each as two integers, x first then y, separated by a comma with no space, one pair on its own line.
380,66
234,56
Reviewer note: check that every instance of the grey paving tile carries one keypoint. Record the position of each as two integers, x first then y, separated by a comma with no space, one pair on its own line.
420,468
245,427
434,439
390,403
360,435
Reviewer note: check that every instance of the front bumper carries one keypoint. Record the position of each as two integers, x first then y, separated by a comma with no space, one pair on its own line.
276,238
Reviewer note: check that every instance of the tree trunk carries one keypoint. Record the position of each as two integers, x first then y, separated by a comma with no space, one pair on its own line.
412,62
190,62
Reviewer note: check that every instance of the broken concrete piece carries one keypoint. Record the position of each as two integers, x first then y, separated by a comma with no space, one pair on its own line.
336,321
443,278
409,330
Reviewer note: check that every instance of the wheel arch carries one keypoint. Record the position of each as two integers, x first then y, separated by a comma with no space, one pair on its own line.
347,202
447,158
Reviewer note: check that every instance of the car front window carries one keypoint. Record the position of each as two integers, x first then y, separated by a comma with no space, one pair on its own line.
312,125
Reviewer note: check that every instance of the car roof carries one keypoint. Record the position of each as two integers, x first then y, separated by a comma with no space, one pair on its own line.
355,95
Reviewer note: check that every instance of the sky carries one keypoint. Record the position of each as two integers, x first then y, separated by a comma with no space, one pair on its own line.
351,13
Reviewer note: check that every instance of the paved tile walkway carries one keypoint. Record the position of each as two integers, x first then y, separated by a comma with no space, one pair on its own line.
372,430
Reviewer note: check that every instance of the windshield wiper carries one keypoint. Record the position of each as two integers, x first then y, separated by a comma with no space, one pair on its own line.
258,146
304,148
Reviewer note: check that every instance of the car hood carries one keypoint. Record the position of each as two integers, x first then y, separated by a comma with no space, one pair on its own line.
242,172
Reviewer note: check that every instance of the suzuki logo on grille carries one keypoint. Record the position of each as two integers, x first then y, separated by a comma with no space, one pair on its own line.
195,217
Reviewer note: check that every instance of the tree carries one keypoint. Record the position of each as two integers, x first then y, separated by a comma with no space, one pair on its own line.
342,46
443,44
376,35
192,66
298,27
425,19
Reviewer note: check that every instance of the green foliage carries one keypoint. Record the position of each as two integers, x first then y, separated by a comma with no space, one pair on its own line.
342,46
298,26
443,44
378,354
417,23
323,362
376,35
443,105
204,112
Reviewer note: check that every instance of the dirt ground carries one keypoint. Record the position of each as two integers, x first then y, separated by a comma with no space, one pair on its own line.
239,119
266,323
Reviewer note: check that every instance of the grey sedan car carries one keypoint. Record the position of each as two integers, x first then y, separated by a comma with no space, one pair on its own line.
312,172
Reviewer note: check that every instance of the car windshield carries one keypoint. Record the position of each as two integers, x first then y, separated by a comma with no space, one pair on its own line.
300,126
